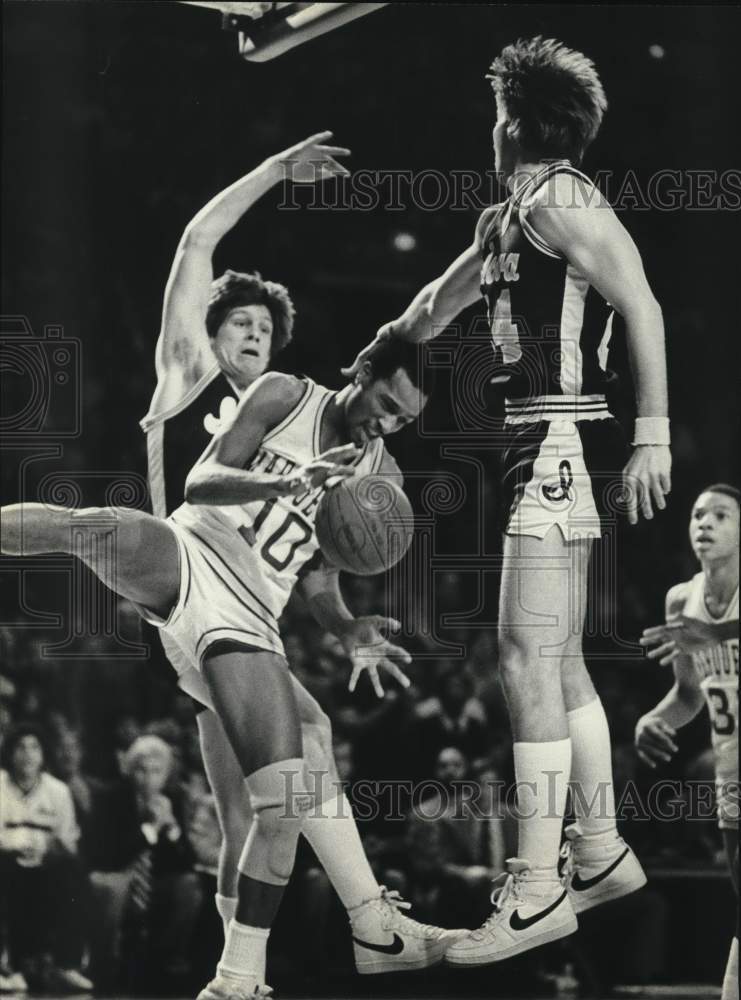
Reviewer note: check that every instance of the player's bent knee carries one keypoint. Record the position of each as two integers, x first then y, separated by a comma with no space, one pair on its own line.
279,802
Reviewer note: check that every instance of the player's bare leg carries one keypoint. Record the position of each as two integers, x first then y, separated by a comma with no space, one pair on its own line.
375,915
536,612
730,978
253,696
233,809
597,864
131,552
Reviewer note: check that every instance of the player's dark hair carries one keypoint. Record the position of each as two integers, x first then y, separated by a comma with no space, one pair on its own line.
235,288
394,353
726,489
553,97
14,736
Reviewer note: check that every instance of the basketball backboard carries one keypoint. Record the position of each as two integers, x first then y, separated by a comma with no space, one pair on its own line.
267,30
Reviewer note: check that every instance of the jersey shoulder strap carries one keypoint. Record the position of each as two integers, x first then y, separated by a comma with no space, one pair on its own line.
160,416
527,197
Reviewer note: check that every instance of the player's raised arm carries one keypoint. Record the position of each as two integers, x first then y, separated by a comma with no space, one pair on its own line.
656,730
581,225
220,476
183,341
433,307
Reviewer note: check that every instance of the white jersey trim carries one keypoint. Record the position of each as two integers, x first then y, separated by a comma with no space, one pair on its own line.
575,291
295,412
160,416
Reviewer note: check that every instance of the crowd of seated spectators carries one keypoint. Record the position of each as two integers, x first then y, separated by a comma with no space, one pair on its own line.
109,839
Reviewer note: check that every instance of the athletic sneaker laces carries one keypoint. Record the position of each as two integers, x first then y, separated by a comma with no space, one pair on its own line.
507,886
566,864
390,904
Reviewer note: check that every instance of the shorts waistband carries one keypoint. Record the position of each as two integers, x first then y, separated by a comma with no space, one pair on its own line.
573,408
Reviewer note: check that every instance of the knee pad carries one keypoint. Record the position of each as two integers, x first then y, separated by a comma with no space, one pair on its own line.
279,802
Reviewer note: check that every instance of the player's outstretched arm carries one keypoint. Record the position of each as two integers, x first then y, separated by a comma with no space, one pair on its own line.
219,477
433,308
578,222
183,342
656,730
361,638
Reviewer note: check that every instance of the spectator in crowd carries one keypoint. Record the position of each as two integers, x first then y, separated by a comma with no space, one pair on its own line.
43,883
68,757
456,718
458,838
147,894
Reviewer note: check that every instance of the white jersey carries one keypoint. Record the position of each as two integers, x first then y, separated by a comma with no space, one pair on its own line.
717,674
283,527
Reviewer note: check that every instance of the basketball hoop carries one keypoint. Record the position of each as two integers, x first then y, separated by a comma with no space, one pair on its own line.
267,30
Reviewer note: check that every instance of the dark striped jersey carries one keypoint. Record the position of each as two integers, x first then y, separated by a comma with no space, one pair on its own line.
550,328
176,438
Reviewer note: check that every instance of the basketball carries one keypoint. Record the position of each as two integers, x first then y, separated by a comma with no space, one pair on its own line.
365,525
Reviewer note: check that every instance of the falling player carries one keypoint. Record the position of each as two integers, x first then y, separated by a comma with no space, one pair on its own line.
215,577
552,262
700,640
217,338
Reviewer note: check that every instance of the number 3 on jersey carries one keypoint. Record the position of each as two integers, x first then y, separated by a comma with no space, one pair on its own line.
722,712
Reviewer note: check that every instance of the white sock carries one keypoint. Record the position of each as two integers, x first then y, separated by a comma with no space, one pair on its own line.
592,791
244,952
542,776
730,980
336,842
226,907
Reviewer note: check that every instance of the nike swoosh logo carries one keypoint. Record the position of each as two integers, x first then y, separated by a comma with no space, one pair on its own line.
582,884
518,923
395,948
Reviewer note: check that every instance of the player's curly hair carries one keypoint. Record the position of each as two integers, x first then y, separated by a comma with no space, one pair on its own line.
394,353
552,95
238,288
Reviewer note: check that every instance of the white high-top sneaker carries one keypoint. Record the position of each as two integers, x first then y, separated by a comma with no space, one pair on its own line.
598,868
228,988
531,908
385,940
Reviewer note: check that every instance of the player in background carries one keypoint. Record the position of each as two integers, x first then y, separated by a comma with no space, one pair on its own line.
553,262
700,640
215,576
217,337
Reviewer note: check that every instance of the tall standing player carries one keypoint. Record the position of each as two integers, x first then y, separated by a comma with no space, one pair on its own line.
553,262
700,640
218,337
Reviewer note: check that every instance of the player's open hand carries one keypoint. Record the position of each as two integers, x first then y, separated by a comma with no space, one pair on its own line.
646,480
681,637
334,464
654,740
368,351
364,642
312,160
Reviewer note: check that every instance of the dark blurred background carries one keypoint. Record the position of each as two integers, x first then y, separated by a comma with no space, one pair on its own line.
122,119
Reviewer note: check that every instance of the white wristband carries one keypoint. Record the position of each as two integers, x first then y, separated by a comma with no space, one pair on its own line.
651,430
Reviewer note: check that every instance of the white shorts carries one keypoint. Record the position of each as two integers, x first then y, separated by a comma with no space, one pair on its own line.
222,595
727,797
564,473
